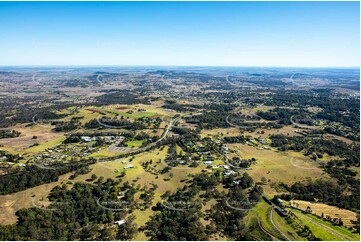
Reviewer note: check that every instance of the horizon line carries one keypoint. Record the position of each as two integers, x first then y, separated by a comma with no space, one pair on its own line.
12,66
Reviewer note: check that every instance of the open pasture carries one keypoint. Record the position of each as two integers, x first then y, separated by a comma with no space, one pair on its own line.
318,209
278,166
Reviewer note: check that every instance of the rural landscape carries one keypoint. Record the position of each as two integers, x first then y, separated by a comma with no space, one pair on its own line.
179,153
180,121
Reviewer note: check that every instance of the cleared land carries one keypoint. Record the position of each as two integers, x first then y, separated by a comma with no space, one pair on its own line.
318,209
278,166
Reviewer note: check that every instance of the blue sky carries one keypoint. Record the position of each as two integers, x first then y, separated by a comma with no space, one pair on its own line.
180,33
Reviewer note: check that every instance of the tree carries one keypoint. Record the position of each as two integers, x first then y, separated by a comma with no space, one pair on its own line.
127,230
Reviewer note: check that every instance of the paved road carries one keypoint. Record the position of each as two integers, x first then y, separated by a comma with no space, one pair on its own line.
274,225
230,83
264,230
304,126
137,151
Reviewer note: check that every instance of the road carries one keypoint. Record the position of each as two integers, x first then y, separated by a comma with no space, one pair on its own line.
301,125
230,83
264,230
137,151
274,225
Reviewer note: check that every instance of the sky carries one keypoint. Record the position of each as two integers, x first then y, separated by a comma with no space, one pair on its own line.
297,34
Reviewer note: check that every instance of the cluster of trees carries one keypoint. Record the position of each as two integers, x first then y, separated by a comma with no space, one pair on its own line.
10,157
181,107
242,163
178,217
33,176
186,133
338,169
74,214
9,134
229,210
282,115
63,126
116,96
345,176
335,108
332,147
29,108
121,123
236,139
173,225
210,120
352,135
328,192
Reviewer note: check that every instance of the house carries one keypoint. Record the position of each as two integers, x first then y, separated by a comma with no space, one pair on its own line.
124,161
225,148
128,166
120,222
86,138
208,162
225,167
227,173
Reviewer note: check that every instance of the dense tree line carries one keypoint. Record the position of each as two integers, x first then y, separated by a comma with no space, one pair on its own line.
227,214
336,108
74,214
328,192
236,139
210,120
63,126
33,176
9,134
118,97
332,147
282,115
10,157
121,123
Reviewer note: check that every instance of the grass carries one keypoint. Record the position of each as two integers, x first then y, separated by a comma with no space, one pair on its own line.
24,199
286,228
334,212
332,232
220,131
271,164
134,143
43,146
20,144
260,211
134,115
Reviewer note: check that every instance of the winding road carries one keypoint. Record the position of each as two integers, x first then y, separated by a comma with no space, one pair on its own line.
274,225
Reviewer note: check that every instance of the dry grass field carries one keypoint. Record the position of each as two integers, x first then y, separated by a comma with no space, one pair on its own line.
44,134
347,216
9,204
220,131
277,166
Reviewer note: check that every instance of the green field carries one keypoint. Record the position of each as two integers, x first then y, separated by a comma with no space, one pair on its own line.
134,143
46,145
134,115
325,230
